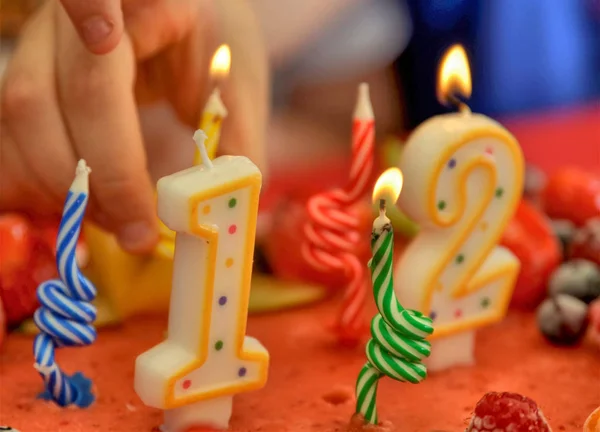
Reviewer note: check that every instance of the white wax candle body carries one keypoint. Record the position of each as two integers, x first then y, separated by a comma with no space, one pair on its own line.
206,354
463,178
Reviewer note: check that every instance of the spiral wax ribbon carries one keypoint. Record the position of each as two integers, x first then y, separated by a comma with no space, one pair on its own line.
66,315
332,234
398,345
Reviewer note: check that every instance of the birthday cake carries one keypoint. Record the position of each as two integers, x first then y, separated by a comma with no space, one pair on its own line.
443,350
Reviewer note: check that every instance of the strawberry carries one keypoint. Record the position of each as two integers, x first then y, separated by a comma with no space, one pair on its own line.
572,194
530,237
18,288
507,412
15,242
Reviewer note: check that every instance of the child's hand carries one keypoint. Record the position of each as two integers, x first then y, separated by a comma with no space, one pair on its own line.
62,101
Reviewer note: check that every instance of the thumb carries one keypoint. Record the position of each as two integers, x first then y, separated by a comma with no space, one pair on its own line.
99,23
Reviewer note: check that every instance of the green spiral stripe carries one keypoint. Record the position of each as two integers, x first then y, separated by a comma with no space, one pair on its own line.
398,343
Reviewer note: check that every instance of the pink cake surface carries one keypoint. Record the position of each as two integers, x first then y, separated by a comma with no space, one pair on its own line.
311,380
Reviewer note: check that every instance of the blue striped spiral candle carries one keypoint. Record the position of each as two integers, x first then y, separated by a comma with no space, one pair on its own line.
66,315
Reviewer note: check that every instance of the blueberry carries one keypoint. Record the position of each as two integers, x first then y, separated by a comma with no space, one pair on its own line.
563,319
578,278
564,230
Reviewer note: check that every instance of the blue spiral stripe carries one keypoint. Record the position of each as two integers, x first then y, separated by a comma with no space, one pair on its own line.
66,316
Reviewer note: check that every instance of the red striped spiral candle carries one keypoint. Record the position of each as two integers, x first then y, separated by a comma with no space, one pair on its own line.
332,232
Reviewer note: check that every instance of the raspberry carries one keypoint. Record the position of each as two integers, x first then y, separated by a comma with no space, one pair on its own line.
507,412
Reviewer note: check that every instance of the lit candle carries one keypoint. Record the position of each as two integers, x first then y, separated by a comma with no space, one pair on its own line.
398,343
214,110
463,178
207,357
66,315
212,117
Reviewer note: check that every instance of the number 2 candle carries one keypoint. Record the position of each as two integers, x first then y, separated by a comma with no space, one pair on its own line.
207,357
463,179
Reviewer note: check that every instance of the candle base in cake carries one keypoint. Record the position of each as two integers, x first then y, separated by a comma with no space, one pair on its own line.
213,413
451,351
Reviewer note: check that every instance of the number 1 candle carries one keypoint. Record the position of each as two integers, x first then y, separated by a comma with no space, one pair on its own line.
463,179
207,357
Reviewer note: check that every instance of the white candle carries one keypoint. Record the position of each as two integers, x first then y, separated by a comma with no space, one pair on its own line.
207,358
463,179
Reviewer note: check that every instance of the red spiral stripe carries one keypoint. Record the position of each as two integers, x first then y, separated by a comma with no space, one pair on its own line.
332,233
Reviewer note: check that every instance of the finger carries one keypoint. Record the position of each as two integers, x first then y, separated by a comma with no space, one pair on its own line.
246,92
99,23
98,103
31,112
17,191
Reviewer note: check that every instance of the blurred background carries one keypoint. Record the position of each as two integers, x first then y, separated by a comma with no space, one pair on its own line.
526,55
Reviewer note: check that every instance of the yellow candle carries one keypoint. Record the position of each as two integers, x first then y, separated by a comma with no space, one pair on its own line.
214,110
212,117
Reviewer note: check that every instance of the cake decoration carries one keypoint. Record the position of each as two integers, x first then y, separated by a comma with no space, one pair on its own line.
572,194
563,319
398,343
207,357
507,412
452,264
578,278
66,315
332,232
529,236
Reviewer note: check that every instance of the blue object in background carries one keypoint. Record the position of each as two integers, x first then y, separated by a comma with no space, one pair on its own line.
525,54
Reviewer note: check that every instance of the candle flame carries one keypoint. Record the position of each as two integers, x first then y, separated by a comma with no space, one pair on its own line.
221,62
454,76
389,185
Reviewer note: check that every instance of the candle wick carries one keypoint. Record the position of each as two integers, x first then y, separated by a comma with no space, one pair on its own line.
200,138
460,105
382,207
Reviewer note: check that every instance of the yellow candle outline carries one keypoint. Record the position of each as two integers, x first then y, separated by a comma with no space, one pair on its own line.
211,235
468,284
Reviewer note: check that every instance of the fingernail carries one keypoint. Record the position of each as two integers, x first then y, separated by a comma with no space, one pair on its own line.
96,29
137,236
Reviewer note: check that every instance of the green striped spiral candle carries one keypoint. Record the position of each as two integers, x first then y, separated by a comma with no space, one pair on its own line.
398,343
